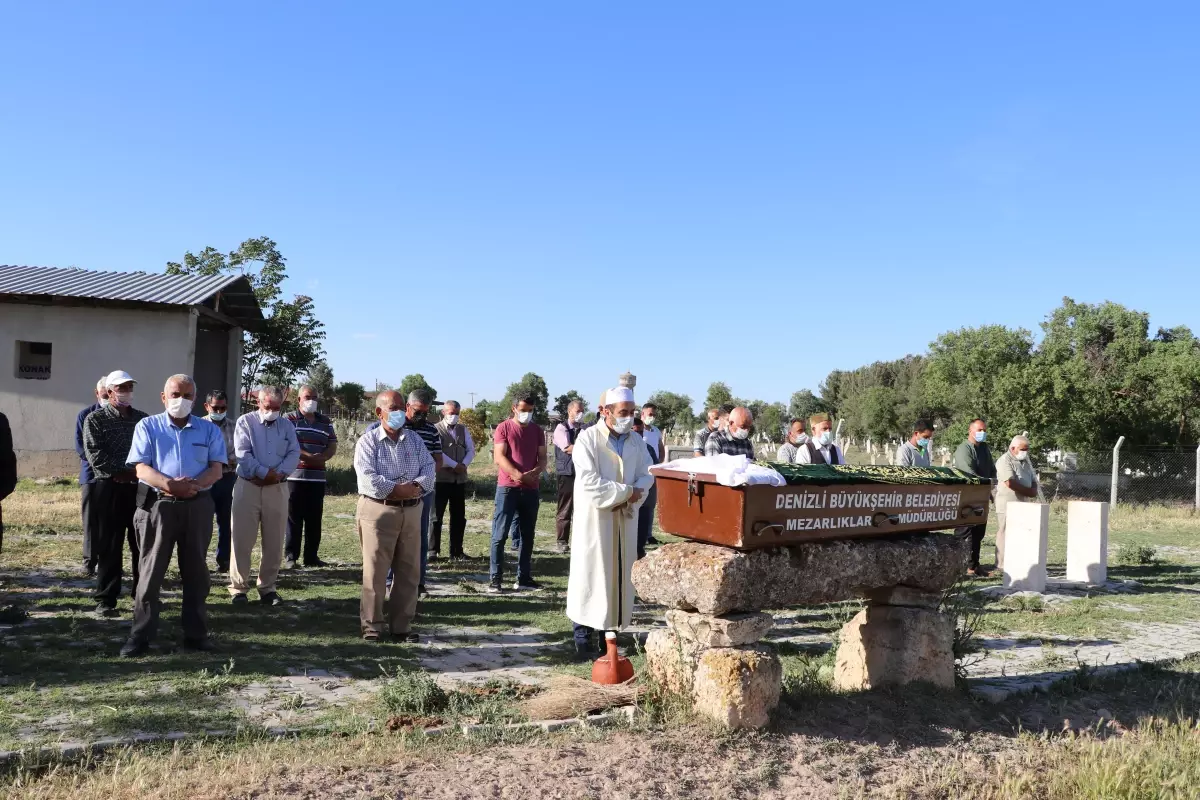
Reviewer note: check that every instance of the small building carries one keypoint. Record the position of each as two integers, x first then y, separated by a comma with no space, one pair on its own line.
62,329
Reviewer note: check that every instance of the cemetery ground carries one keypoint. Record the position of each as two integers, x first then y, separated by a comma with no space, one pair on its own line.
294,704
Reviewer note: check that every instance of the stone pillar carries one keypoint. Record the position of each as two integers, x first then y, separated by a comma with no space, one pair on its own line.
718,662
1027,526
1087,542
899,638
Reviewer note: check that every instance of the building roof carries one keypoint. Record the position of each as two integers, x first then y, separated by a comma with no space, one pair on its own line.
231,295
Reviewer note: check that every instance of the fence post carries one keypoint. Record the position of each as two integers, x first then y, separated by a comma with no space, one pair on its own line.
1198,478
1116,473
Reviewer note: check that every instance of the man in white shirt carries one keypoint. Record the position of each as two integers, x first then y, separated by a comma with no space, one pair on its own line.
458,451
820,449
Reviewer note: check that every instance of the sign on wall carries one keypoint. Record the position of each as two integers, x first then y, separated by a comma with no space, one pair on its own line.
33,360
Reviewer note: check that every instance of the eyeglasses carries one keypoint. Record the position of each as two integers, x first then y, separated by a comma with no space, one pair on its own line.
219,409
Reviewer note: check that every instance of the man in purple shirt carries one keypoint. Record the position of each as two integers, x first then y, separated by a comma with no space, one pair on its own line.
519,450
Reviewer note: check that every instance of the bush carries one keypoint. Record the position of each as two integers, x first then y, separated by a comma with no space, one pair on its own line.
412,693
1134,555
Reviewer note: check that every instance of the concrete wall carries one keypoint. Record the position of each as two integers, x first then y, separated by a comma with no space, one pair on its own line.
88,343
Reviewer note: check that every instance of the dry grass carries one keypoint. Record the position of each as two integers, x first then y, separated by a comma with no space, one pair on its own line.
567,696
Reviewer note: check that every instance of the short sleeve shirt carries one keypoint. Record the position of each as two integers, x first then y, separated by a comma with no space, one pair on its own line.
174,451
314,437
523,445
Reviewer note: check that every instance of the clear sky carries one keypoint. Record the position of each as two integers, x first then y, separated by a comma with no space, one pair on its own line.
749,192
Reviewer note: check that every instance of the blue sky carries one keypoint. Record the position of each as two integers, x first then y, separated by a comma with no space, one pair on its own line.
755,193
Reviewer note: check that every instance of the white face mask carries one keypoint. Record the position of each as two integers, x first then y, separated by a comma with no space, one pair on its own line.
1021,455
524,417
452,419
826,438
308,406
268,416
740,433
648,420
622,424
179,407
217,416
103,402
579,418
121,398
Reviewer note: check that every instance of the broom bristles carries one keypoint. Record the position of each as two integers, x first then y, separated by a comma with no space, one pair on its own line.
568,696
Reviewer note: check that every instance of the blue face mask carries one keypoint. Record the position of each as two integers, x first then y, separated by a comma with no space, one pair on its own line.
922,443
395,420
981,436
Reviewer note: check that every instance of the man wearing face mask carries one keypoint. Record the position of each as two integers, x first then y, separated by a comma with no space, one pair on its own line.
107,434
458,451
217,406
267,452
915,452
86,477
796,439
519,450
394,470
1016,482
712,423
820,449
306,486
565,434
611,481
973,456
734,439
178,457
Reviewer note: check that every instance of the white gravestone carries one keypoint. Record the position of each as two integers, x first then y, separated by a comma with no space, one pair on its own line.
1026,531
1087,542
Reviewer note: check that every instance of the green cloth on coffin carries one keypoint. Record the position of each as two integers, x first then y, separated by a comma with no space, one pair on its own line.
865,473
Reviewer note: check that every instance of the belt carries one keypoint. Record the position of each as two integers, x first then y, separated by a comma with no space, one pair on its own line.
148,496
401,503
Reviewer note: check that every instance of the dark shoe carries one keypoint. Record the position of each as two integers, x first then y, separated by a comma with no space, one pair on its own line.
315,564
652,540
240,600
435,557
204,645
583,653
527,586
371,636
105,610
134,649
422,591
89,569
289,563
270,599
495,587
406,638
223,566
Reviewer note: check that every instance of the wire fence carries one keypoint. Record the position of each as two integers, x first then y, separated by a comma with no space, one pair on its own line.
1143,476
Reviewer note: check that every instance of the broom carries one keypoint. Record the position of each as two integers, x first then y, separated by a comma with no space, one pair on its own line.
567,697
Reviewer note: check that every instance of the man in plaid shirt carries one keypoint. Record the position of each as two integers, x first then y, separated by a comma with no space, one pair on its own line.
733,440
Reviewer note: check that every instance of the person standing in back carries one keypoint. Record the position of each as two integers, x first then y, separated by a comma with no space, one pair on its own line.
306,486
217,405
974,457
820,449
796,439
458,451
565,433
267,453
915,452
86,477
519,450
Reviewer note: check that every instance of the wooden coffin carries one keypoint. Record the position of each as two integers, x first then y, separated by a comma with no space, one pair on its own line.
818,504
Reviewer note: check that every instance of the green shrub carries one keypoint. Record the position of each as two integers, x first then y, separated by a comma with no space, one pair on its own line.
1134,555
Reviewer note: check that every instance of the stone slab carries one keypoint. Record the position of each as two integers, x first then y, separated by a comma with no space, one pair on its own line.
895,646
1087,542
727,631
738,687
1027,531
715,580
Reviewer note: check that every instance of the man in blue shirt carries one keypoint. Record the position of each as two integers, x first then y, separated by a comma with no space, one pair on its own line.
86,479
178,458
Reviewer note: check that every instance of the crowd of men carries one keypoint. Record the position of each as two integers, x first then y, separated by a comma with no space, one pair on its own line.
156,482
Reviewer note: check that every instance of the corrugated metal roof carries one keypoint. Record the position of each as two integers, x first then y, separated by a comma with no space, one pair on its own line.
142,287
238,300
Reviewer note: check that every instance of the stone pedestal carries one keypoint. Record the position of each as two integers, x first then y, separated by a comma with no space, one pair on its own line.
1087,542
1027,528
893,646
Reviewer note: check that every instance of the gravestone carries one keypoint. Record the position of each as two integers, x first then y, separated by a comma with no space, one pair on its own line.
1087,542
1027,530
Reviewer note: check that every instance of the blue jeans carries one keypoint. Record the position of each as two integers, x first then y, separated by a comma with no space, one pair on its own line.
222,495
426,511
514,508
646,520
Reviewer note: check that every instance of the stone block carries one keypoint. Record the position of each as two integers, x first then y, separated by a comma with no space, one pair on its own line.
738,686
727,631
894,646
715,580
671,660
904,596
1087,542
1027,529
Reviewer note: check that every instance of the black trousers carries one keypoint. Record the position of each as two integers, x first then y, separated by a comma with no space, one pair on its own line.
306,503
165,528
566,507
975,533
90,523
454,495
115,504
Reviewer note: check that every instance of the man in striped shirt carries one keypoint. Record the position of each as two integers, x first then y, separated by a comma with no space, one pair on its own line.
306,496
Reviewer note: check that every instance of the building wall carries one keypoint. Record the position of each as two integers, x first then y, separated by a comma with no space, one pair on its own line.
87,343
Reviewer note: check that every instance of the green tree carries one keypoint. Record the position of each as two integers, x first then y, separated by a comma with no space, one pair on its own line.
718,395
488,411
674,411
289,341
1173,372
872,412
770,419
804,404
563,400
476,424
412,383
349,397
964,366
531,384
320,378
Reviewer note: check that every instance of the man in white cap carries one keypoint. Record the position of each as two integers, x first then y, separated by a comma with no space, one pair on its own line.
611,481
107,435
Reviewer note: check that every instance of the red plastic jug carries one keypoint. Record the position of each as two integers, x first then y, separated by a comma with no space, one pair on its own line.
611,668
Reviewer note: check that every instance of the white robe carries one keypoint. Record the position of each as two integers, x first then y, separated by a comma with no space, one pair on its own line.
604,541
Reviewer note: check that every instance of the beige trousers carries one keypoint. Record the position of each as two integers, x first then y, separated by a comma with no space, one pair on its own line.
391,539
255,506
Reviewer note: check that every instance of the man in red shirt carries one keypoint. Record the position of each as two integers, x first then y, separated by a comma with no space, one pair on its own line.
519,450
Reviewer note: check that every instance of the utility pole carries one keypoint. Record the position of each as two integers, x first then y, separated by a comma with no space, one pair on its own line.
472,398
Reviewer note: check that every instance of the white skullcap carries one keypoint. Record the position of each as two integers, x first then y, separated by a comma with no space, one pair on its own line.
621,394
